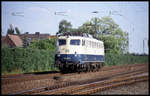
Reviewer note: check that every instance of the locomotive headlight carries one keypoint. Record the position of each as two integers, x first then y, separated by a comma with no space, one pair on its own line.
58,54
75,54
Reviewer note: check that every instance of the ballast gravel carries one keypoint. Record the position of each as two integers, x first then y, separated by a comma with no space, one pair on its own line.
139,88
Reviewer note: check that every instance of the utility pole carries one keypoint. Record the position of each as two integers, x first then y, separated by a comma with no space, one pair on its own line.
144,45
95,24
95,12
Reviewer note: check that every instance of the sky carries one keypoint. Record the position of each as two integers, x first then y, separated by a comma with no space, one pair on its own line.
132,17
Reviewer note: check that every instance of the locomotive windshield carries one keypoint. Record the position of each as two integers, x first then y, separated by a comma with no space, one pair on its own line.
75,42
62,42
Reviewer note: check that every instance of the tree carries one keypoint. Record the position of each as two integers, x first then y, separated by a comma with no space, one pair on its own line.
45,44
17,30
105,29
92,27
95,22
64,26
115,40
10,30
86,27
25,42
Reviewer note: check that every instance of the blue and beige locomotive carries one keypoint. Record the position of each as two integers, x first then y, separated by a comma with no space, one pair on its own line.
79,52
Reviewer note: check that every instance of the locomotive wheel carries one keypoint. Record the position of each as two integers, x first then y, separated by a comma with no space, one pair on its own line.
102,64
85,68
62,71
82,68
88,68
78,68
72,68
97,67
92,68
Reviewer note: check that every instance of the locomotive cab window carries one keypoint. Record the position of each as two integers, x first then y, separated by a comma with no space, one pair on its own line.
75,42
83,42
62,42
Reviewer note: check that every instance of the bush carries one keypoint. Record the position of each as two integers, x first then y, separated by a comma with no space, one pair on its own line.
27,60
35,60
116,59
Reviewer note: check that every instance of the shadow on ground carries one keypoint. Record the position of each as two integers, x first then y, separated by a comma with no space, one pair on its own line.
44,72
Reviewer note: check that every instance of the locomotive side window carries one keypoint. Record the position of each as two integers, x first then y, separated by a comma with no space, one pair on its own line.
89,43
83,42
62,42
98,45
75,42
92,44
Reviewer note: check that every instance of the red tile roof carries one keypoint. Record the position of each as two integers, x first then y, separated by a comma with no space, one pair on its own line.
3,37
16,40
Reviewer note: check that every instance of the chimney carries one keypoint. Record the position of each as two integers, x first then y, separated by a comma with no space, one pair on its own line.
37,33
27,33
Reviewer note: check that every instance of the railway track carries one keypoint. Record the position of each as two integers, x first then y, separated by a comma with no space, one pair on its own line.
112,83
70,87
30,77
97,85
26,77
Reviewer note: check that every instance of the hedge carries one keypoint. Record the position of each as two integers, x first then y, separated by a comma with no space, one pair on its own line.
27,60
116,59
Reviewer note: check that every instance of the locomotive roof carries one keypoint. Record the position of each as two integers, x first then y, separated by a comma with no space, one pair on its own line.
76,34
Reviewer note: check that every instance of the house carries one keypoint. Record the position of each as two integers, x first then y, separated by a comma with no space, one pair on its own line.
17,40
32,37
12,41
2,40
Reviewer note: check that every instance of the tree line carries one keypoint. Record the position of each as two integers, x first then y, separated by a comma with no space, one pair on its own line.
105,29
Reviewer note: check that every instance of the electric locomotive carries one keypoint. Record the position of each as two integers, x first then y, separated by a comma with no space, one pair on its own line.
79,52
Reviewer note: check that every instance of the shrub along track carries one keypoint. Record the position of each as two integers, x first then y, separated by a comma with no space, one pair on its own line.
128,70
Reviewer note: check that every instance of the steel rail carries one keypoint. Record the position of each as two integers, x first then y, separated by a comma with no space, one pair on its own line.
75,88
114,83
66,84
